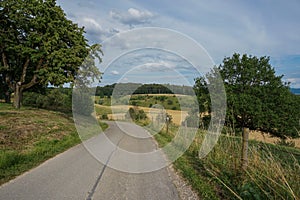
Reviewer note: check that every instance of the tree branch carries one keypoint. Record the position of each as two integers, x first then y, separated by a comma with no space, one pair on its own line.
31,83
34,78
4,60
23,76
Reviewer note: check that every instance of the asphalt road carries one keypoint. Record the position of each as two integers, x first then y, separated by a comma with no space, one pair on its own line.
76,174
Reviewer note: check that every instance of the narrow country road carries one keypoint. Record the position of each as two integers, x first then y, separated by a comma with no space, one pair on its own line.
76,174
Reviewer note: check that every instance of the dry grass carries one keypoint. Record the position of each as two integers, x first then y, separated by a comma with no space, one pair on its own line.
120,111
271,173
267,138
21,129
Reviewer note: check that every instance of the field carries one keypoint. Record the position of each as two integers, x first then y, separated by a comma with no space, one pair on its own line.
120,111
144,101
168,101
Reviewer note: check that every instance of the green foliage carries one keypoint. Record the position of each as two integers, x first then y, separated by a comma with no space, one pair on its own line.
136,114
170,102
202,93
271,173
256,97
39,45
104,116
59,99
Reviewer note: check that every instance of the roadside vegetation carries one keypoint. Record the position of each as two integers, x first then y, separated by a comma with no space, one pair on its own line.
39,125
272,172
29,136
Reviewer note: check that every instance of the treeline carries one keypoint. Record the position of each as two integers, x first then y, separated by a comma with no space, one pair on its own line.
138,88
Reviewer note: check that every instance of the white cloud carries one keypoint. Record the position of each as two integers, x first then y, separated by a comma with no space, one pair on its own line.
132,16
257,28
160,66
93,28
114,72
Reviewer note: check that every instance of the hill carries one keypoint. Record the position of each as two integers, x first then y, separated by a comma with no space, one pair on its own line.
30,136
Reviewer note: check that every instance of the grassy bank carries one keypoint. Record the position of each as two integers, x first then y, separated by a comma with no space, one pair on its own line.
273,171
30,136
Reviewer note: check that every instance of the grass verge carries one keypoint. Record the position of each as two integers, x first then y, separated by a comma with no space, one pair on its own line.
30,136
273,171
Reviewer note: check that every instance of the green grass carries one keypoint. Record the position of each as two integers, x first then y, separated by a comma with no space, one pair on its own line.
30,136
272,172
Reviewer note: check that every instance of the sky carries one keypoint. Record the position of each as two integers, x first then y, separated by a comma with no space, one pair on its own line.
188,36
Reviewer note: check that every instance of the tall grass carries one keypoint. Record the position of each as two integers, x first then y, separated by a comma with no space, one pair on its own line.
273,172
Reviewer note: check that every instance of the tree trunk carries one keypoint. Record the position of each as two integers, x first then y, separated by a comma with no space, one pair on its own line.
18,96
245,148
7,97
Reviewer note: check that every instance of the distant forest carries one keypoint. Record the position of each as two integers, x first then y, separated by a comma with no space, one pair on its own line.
138,88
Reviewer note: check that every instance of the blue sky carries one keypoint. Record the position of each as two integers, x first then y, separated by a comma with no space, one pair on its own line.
258,27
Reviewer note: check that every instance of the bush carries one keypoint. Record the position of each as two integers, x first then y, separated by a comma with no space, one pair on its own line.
136,114
104,116
134,103
55,99
100,102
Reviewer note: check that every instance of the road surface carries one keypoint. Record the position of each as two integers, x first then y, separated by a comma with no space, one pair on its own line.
76,174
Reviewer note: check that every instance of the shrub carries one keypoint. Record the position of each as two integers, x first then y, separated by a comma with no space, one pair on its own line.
104,116
136,114
170,102
54,99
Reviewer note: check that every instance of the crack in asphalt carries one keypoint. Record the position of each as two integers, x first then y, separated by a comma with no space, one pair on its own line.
91,193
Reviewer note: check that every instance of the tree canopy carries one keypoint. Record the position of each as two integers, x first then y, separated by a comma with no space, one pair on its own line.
257,98
38,46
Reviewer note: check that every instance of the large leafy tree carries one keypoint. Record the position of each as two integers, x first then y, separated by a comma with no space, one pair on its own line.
38,46
257,98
